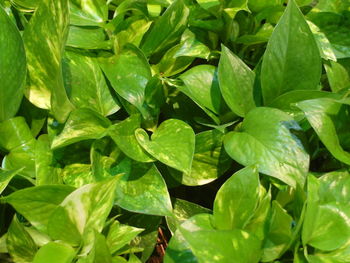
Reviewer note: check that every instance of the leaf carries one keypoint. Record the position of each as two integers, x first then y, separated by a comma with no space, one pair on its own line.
262,139
236,82
210,245
82,124
179,57
19,243
45,170
15,132
326,225
292,60
6,177
99,251
77,175
44,39
338,76
182,211
141,188
179,250
123,134
134,33
86,208
88,12
202,86
319,113
84,71
120,235
37,203
279,233
210,160
166,29
129,84
172,143
324,46
55,253
13,67
236,200
259,5
87,38
329,227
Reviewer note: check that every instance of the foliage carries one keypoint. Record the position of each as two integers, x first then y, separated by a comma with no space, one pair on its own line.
222,123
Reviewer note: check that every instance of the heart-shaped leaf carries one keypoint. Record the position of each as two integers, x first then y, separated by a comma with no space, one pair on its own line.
172,143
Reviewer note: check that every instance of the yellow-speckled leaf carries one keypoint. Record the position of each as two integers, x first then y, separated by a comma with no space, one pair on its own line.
44,39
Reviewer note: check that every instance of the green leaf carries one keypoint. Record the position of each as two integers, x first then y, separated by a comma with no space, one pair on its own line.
55,253
321,114
236,200
236,82
84,71
123,134
210,160
13,67
86,208
44,39
173,143
182,211
338,76
88,13
259,5
45,170
37,203
133,34
6,177
279,233
287,101
292,60
141,188
262,139
201,85
179,57
99,252
82,124
77,175
210,245
334,187
179,250
87,38
166,29
324,46
326,225
120,235
129,82
19,243
329,228
15,132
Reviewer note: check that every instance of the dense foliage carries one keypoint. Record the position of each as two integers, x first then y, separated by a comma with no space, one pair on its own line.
220,126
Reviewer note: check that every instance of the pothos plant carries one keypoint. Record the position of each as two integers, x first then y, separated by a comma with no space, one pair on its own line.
223,123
